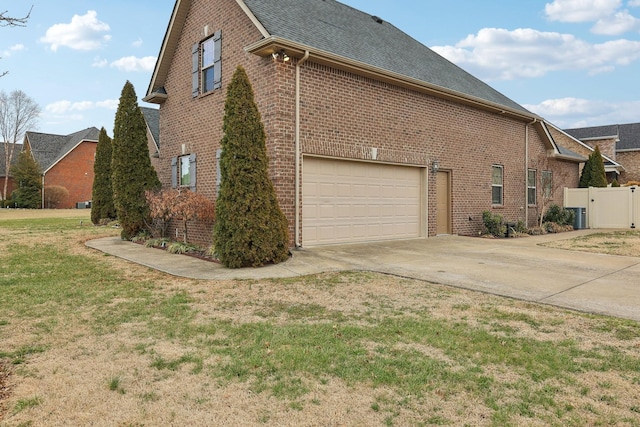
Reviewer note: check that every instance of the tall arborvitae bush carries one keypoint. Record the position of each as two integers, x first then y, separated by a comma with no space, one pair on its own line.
28,174
250,228
131,170
102,194
593,173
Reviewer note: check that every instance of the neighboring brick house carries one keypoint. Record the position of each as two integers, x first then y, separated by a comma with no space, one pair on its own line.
11,185
66,161
621,146
370,134
152,119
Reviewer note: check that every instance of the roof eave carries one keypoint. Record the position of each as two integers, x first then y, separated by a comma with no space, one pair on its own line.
576,159
618,168
167,50
272,44
155,98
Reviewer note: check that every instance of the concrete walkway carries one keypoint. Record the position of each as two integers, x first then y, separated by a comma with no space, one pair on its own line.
518,268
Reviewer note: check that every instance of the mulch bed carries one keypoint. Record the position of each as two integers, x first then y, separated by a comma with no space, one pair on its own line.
5,389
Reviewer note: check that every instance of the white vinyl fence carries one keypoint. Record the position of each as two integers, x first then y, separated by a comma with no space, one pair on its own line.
610,207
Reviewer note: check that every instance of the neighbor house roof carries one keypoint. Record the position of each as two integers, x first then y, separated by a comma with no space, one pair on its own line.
14,159
152,118
338,34
627,135
610,164
48,149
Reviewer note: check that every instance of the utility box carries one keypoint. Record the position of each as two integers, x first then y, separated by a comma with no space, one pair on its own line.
580,218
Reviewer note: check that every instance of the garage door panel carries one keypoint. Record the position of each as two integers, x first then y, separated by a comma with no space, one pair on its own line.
347,201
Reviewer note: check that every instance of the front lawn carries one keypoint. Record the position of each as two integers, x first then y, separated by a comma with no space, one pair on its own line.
89,339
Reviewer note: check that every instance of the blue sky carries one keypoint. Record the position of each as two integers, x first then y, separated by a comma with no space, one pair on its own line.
574,62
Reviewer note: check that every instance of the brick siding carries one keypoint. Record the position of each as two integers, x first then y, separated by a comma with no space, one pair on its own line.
631,162
11,185
344,115
75,173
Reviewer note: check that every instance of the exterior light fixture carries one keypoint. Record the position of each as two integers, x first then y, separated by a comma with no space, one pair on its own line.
435,166
281,54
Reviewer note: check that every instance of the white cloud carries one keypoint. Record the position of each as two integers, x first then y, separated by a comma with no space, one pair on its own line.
62,107
137,43
13,49
577,112
608,18
99,62
110,104
499,54
84,32
580,10
132,63
58,107
619,23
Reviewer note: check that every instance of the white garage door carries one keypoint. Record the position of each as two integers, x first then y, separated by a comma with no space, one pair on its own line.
346,201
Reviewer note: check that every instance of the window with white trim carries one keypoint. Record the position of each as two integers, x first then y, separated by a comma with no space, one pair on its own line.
497,179
206,59
531,187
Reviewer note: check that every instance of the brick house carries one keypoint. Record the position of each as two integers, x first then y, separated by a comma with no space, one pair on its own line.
619,145
11,185
66,161
370,134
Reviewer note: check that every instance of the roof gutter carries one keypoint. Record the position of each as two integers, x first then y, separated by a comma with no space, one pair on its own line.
269,45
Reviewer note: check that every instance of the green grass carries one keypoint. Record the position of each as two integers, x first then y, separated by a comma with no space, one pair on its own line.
288,349
23,404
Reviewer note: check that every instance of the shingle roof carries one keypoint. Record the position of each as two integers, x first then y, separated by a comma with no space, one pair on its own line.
14,159
47,148
152,117
341,30
628,134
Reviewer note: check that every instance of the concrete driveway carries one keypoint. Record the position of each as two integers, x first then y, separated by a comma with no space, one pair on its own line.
518,268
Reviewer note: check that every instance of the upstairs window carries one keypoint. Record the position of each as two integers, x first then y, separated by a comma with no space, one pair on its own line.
531,187
496,185
206,71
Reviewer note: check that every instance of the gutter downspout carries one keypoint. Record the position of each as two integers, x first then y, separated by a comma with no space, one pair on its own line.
43,190
526,171
297,136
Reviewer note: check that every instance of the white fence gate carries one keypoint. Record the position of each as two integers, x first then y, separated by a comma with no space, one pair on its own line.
610,207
